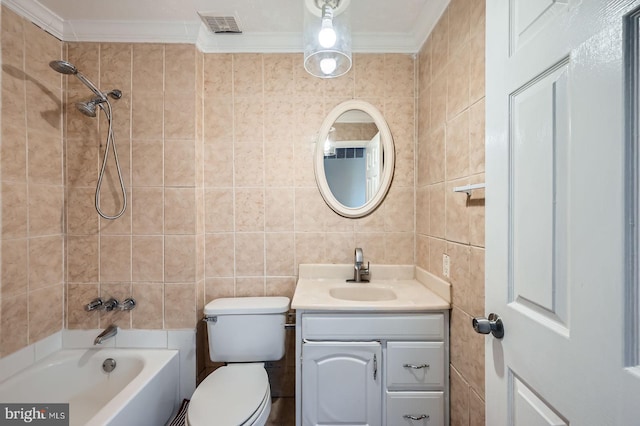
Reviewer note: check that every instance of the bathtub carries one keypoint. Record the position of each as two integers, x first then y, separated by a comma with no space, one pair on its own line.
141,390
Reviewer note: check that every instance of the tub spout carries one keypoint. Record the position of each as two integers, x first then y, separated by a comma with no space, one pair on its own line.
108,332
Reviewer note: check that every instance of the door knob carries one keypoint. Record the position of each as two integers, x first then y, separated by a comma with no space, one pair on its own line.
492,325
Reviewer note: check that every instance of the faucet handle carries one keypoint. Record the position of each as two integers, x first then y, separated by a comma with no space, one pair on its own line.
359,256
110,305
128,304
365,271
94,304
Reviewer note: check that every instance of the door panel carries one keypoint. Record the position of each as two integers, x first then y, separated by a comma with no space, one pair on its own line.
555,217
539,142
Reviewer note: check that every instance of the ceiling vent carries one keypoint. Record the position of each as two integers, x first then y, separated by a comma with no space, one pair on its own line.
220,24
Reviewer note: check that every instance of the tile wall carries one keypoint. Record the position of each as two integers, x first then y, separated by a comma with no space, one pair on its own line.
216,152
32,192
451,153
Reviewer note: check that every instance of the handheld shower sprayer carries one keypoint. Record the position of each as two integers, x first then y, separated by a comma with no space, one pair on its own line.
88,108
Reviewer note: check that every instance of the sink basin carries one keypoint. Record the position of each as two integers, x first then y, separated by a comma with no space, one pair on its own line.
362,293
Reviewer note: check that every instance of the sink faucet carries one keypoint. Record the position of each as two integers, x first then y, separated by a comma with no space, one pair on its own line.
360,273
108,332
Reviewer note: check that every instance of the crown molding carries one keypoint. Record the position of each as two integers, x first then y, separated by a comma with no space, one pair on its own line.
39,15
132,31
195,32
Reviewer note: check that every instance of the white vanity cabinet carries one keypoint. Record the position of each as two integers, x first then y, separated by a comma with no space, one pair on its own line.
372,369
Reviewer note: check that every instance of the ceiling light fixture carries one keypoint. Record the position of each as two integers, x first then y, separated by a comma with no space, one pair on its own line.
327,38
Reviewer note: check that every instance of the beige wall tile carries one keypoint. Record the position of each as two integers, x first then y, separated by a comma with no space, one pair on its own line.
249,164
281,286
119,292
461,292
476,138
422,251
457,147
440,45
308,210
180,63
219,210
278,73
476,410
179,306
399,248
147,116
179,115
458,82
148,68
467,350
422,211
14,323
14,210
111,205
147,210
45,312
459,399
399,210
247,75
220,255
248,120
249,254
179,258
457,213
147,257
398,75
437,210
459,24
115,258
250,287
14,268
477,67
147,159
78,296
216,288
179,163
179,211
218,74
46,210
437,248
149,311
82,259
45,262
218,164
115,69
14,152
249,210
279,209
82,162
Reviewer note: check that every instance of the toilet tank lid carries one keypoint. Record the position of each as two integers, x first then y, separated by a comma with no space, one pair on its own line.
247,305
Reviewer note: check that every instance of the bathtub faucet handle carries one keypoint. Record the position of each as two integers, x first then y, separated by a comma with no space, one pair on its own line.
94,304
128,304
110,305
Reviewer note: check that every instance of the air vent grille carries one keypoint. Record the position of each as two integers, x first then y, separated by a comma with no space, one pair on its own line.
221,24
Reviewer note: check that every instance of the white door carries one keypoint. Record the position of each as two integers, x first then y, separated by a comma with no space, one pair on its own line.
374,166
558,189
341,383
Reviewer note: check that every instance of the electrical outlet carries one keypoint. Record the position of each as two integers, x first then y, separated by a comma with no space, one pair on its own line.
445,265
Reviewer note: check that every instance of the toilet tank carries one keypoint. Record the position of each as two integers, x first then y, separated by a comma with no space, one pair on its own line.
246,329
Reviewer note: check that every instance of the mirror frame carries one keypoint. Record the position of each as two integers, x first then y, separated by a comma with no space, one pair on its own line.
389,159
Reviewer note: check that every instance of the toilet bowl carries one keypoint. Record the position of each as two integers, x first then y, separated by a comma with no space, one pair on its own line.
243,332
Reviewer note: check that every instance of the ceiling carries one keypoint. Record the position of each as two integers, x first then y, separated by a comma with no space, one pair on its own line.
267,25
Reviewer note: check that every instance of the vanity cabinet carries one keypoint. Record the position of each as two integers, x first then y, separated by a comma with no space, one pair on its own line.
373,369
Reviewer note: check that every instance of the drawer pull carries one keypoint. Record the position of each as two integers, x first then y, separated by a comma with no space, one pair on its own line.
415,416
416,367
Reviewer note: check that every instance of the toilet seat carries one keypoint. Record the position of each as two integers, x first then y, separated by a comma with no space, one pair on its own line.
237,394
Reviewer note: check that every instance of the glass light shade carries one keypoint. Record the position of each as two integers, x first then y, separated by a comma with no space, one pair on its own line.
318,59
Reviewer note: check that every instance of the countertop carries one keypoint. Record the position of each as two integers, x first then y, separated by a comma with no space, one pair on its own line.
415,289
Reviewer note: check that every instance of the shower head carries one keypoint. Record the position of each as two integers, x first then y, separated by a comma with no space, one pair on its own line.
63,67
88,108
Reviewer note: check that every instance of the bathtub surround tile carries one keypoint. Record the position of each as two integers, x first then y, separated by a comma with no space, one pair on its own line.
149,310
14,268
147,211
78,296
179,211
14,321
118,291
45,312
147,258
179,306
45,261
179,258
115,258
82,259
46,210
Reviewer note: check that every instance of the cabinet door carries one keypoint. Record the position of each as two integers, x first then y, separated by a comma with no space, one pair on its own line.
341,383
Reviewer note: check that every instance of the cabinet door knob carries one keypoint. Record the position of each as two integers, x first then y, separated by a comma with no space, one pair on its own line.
415,416
416,367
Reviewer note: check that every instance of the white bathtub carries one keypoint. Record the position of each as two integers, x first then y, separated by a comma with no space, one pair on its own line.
141,390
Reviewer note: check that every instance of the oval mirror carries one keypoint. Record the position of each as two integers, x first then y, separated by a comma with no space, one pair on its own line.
354,159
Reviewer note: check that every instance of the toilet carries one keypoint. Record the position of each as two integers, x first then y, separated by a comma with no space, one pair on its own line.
243,332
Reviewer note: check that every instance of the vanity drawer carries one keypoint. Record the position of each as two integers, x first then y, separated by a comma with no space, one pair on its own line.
373,326
415,365
415,404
